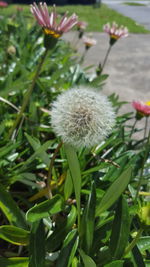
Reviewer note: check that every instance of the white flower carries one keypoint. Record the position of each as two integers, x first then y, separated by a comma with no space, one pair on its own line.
82,117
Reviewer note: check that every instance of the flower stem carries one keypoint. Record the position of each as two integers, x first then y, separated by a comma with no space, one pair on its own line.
146,124
27,95
142,168
49,176
134,241
106,57
132,130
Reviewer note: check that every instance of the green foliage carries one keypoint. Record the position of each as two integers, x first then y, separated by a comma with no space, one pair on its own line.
93,214
45,209
37,245
14,235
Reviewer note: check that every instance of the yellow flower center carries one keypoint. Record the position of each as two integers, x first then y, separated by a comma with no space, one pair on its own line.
113,36
52,33
147,103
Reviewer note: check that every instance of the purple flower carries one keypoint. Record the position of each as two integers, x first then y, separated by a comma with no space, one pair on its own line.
48,21
115,32
89,42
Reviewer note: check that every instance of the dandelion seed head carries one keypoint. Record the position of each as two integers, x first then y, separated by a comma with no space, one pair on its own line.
82,117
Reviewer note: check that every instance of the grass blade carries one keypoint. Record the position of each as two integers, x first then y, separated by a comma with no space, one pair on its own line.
114,191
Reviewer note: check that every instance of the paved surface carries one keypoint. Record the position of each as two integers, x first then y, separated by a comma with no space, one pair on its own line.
128,65
141,14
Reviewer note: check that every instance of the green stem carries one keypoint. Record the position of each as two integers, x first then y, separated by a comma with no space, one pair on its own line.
134,241
49,176
27,95
132,130
106,57
83,57
146,124
142,168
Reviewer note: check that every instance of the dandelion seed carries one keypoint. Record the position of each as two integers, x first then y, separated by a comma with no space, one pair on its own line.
82,117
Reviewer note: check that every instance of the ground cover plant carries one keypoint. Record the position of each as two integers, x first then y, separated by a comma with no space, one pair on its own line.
74,180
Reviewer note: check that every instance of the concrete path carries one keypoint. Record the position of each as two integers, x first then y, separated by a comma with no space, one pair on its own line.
128,66
141,14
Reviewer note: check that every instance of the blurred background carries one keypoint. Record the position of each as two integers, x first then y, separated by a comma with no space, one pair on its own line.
58,2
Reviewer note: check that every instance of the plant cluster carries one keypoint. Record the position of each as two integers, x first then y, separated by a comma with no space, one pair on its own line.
74,179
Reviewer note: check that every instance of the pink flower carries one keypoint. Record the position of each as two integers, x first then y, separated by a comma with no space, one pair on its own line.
81,25
116,32
3,4
48,21
88,41
142,109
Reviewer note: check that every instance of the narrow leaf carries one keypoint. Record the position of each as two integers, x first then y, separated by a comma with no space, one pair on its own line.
45,209
68,187
14,235
118,263
88,221
68,250
114,191
14,262
36,145
37,245
88,261
57,237
74,167
11,210
120,229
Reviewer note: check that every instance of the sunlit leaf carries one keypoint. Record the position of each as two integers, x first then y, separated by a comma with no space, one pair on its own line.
14,235
45,209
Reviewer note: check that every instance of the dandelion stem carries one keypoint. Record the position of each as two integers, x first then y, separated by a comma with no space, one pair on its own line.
134,241
49,176
142,168
27,95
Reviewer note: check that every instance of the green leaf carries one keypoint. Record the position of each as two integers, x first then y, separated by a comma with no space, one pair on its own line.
120,229
68,187
45,209
11,210
88,221
7,149
57,237
75,262
74,167
36,154
37,245
114,191
14,262
88,261
138,257
118,263
14,235
35,143
144,243
68,250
